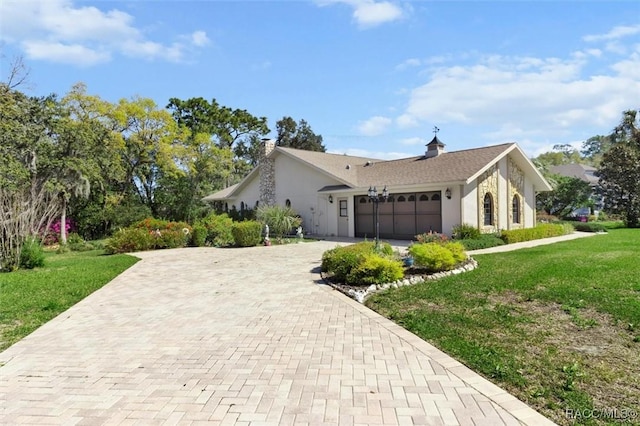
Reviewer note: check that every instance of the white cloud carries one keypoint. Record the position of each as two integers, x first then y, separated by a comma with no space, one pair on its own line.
370,13
526,97
65,53
615,33
409,63
84,35
413,141
374,126
199,38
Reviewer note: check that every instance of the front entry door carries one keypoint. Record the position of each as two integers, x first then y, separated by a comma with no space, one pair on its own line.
343,218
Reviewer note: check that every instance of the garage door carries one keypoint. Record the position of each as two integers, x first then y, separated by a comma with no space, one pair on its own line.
401,217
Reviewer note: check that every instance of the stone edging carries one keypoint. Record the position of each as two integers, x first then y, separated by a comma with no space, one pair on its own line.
361,294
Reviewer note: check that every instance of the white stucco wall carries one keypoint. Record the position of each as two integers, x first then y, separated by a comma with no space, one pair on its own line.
451,211
300,184
249,195
470,204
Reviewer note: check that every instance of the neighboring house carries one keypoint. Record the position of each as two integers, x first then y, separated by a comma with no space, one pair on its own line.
491,188
587,174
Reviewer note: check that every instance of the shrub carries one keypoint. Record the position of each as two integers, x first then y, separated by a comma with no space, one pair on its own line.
457,250
129,240
432,256
76,243
281,220
199,235
32,254
375,269
340,261
544,230
170,238
218,229
152,224
247,233
466,232
431,237
485,241
590,227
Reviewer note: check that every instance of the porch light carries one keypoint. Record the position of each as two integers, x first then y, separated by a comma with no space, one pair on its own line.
447,193
330,199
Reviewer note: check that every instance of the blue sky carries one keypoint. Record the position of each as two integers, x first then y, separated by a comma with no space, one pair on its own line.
373,77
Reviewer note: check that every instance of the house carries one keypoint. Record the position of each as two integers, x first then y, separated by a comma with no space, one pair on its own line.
492,188
587,174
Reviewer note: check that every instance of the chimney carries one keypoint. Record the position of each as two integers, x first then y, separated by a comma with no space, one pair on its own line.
267,173
434,148
268,145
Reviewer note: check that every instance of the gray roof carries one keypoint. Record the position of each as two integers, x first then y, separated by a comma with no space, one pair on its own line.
457,166
361,172
580,171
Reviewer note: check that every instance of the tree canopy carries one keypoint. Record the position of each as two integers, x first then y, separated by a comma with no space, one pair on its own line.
620,170
298,135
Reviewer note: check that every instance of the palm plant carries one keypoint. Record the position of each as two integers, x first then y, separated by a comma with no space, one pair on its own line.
281,220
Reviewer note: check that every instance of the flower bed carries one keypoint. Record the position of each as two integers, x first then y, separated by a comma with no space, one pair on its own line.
412,276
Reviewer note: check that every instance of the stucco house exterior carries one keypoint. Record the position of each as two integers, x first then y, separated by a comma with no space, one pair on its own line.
491,188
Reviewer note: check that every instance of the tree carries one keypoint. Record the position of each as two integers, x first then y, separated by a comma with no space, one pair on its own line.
620,170
214,152
150,143
569,193
594,148
28,198
299,136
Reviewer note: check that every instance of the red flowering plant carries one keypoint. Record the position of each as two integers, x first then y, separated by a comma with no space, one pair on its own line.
51,235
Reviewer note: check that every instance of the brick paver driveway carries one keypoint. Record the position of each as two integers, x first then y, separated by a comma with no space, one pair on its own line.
237,336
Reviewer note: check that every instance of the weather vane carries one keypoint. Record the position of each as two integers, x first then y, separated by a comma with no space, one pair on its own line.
435,130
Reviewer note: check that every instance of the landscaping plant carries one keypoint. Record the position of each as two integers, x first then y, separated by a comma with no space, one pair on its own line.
362,263
247,233
218,228
280,219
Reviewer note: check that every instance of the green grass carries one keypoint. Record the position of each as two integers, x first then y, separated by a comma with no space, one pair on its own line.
30,298
556,325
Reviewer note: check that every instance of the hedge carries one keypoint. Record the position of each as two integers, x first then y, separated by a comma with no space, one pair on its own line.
247,233
544,230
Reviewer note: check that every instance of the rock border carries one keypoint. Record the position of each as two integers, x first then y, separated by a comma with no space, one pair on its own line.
360,293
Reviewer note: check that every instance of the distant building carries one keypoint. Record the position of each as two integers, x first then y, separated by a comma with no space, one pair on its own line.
587,174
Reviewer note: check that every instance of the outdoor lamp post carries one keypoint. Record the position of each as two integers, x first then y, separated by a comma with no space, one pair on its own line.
375,199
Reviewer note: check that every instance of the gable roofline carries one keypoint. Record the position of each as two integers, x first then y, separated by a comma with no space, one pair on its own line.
298,154
352,172
539,182
223,194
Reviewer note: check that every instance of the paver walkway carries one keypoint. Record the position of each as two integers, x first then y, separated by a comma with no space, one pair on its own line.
238,336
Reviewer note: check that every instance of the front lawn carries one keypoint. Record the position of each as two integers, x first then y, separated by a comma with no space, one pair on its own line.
30,298
558,325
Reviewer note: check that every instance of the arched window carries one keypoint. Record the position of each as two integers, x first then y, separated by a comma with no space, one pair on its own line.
436,197
488,210
515,208
412,198
363,200
288,203
424,197
401,199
